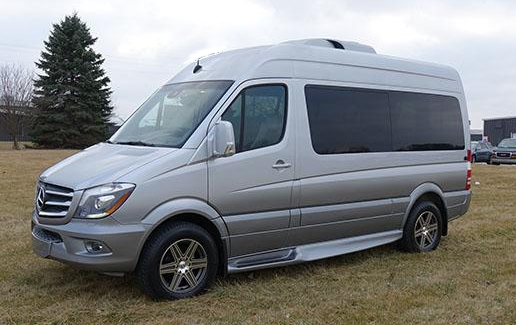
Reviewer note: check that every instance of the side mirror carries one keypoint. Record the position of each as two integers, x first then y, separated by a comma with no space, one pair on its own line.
221,140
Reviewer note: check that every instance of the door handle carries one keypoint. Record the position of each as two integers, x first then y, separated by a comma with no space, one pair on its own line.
280,164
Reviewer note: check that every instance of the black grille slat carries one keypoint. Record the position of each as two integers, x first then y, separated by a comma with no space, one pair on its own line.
57,198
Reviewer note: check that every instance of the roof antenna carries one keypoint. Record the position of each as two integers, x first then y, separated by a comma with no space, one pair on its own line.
198,67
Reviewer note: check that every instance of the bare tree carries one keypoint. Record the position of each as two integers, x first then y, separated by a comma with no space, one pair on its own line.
16,91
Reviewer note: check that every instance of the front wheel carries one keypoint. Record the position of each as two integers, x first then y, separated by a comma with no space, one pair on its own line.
179,261
423,228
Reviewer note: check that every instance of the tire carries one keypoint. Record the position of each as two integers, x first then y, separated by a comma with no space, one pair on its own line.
430,237
179,261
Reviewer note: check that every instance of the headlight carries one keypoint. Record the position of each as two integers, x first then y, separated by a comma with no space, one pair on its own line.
101,201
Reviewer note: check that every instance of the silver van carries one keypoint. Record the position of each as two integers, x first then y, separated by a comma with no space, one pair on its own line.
263,157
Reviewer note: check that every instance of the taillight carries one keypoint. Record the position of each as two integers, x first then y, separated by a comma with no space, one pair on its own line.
468,174
468,178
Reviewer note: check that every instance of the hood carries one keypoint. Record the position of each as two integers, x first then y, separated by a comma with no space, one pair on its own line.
100,164
511,150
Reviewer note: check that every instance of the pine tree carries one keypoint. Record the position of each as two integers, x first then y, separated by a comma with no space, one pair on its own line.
72,96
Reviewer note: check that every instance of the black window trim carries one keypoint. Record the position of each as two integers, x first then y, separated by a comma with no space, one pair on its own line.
242,123
385,91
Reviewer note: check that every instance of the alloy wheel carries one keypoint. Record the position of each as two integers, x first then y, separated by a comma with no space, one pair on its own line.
183,265
425,230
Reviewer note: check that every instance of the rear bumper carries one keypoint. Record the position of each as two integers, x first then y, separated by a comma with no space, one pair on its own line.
457,203
66,243
503,161
482,159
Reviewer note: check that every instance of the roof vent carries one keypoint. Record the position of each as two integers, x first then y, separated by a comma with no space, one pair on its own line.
336,44
341,45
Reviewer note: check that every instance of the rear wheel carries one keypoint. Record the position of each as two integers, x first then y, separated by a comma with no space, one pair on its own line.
423,228
179,261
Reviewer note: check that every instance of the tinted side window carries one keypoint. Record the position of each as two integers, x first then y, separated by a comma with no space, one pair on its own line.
258,116
425,122
345,120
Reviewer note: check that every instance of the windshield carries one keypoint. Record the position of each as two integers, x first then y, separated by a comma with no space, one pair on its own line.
507,143
474,145
171,115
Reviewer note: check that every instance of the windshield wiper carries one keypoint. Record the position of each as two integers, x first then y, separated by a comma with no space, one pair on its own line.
136,143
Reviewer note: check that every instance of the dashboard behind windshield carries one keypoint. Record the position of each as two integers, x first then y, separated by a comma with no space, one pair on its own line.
171,115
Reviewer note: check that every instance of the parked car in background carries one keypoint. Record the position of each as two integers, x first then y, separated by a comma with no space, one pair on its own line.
481,151
505,153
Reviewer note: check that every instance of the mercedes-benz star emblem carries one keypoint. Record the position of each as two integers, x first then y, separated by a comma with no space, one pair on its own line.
40,201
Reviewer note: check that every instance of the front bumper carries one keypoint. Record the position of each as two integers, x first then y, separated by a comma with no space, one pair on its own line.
66,243
511,161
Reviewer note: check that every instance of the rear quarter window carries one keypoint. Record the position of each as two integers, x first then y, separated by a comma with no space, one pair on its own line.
425,122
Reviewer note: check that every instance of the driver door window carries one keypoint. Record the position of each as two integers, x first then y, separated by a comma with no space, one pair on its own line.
258,116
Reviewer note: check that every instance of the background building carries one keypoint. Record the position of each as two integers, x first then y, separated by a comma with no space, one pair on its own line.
4,133
496,129
23,135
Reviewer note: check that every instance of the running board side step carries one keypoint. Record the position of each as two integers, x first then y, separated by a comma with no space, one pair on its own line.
311,252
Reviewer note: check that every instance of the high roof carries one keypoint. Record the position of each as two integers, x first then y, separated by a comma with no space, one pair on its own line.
322,59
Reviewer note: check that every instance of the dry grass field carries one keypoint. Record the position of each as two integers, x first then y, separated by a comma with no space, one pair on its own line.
470,279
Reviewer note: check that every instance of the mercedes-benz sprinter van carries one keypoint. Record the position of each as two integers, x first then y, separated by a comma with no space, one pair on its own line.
262,157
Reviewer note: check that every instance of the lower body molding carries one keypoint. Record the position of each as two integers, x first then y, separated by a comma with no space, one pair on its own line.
311,252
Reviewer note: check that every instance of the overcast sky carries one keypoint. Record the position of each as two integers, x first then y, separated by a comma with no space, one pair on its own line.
146,42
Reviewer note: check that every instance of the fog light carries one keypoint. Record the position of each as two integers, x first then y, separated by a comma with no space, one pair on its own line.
96,247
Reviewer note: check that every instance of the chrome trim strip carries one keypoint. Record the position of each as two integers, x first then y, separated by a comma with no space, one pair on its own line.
67,194
53,214
61,204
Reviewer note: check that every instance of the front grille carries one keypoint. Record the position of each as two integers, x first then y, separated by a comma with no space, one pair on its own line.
503,154
53,201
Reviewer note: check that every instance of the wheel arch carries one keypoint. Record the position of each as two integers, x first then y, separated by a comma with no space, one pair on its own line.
428,192
189,210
